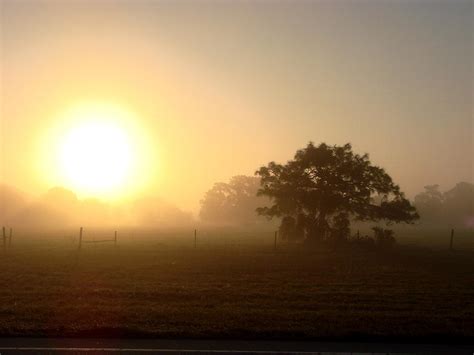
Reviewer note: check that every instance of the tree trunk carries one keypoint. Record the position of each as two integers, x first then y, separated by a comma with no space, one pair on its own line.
318,228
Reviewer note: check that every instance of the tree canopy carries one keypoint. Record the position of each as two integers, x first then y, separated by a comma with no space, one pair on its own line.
328,185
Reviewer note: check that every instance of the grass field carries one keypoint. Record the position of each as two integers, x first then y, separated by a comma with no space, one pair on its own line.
155,288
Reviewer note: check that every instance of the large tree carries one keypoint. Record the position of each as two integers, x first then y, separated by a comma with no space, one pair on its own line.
329,185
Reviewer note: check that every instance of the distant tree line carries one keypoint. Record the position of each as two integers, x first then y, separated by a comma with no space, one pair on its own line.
454,207
61,208
233,203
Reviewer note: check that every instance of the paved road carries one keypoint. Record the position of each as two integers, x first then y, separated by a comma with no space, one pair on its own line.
139,346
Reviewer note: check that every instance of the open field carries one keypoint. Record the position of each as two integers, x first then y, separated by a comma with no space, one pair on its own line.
163,288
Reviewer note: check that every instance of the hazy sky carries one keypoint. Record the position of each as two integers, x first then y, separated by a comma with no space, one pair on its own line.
220,88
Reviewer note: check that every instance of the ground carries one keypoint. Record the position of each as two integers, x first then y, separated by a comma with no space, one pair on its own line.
149,288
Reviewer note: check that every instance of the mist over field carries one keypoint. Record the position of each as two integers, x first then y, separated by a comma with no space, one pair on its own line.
59,208
192,94
227,207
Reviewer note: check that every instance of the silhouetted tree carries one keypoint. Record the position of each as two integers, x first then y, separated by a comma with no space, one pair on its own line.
327,184
232,203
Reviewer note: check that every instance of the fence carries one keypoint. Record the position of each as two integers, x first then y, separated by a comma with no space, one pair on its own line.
194,239
81,240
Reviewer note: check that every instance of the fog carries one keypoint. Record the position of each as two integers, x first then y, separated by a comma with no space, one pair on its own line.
136,114
205,175
59,208
258,81
226,207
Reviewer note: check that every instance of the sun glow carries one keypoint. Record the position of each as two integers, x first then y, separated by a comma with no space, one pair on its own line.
100,151
96,156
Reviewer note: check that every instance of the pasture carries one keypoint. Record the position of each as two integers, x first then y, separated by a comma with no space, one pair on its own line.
162,286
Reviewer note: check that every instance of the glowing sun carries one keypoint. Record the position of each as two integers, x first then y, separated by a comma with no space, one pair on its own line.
96,154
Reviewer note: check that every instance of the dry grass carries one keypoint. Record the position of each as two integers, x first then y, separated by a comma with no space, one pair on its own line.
151,289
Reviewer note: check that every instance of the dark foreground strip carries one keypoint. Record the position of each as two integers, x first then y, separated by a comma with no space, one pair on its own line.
41,350
13,350
89,346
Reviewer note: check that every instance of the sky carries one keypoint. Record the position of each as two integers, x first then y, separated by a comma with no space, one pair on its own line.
213,89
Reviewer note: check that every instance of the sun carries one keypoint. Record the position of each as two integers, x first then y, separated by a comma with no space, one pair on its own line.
96,156
97,151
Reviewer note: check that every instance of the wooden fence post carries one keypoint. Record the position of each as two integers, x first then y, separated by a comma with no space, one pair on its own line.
452,240
10,238
115,238
275,243
80,238
195,238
